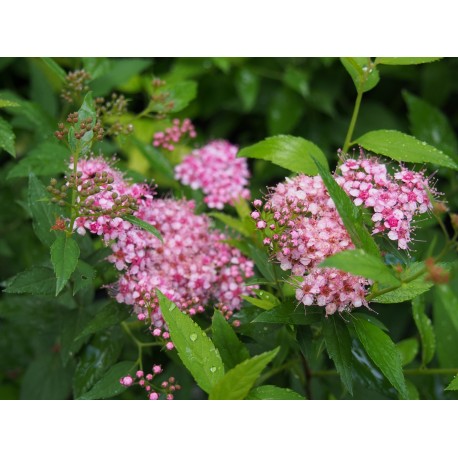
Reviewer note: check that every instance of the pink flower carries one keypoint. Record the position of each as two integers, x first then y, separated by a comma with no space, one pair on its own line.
216,170
173,135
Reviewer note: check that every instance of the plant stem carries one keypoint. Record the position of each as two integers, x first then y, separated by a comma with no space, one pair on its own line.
354,117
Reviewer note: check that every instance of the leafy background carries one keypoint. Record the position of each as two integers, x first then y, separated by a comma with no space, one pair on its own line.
66,346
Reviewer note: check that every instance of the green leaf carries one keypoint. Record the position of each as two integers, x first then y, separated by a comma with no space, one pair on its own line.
271,392
425,329
444,320
109,386
408,349
86,111
358,262
403,147
113,313
297,80
83,276
453,384
285,111
362,72
383,352
42,211
64,256
429,124
144,225
405,60
292,153
39,281
195,349
8,103
261,260
232,351
289,313
247,85
351,214
231,222
122,70
237,382
96,66
7,137
338,344
261,303
449,300
48,158
46,379
96,358
157,161
55,67
179,95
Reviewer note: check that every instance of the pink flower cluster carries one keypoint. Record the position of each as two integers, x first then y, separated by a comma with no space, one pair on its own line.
216,170
172,135
395,200
167,387
192,267
302,227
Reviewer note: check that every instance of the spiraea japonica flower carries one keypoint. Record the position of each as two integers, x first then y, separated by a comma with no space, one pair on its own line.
302,227
216,170
173,135
192,266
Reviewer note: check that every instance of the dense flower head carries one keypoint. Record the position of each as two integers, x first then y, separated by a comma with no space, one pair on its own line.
394,200
193,266
302,228
216,170
173,135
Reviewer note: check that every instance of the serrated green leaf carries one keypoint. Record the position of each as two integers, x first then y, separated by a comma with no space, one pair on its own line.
83,276
405,292
338,344
405,60
429,124
351,214
177,97
113,313
87,110
453,385
288,313
55,67
408,349
402,147
358,262
48,159
362,71
232,351
95,359
247,85
144,225
292,153
425,329
271,392
42,211
383,352
237,382
122,70
7,137
64,256
195,349
109,386
39,281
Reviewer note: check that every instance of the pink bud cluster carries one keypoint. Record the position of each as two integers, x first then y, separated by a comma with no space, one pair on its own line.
216,170
193,266
394,200
173,135
166,388
302,227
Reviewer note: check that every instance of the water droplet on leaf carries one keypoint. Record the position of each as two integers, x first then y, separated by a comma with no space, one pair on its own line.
193,337
213,369
171,307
